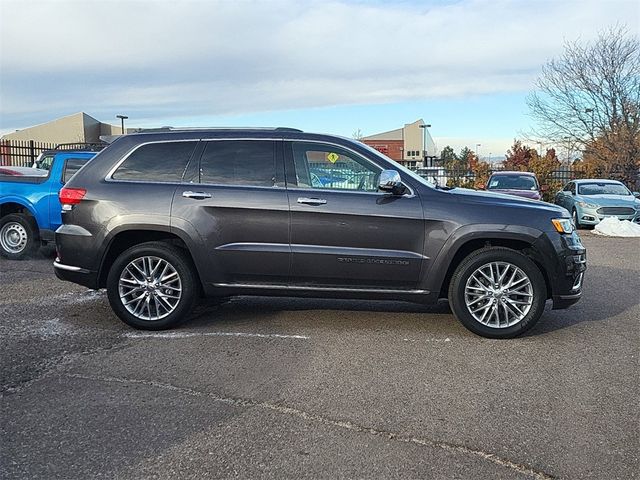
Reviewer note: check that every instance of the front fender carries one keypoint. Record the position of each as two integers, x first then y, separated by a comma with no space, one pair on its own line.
436,274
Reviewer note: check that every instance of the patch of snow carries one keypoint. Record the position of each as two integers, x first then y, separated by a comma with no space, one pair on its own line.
614,227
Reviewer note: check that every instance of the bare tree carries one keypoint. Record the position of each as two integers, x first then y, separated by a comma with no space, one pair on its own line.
591,96
357,135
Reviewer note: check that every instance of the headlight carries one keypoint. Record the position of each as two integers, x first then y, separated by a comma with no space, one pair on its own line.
562,225
587,205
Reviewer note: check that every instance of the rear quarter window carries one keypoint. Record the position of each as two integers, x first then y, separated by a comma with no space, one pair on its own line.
156,162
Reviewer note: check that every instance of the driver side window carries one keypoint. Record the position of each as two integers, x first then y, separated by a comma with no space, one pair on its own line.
328,167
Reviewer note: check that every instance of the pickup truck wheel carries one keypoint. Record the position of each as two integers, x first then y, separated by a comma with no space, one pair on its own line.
497,292
18,236
152,286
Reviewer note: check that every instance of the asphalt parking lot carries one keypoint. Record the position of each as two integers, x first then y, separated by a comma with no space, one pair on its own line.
283,388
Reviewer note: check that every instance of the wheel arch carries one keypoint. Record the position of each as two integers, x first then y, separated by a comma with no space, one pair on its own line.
470,238
120,241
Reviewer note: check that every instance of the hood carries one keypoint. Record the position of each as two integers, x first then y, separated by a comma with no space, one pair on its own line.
534,194
503,200
609,200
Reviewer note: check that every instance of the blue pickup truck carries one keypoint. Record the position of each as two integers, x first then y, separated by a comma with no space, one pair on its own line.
29,205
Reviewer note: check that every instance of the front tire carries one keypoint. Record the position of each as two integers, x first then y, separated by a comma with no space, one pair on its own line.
576,220
497,292
18,236
152,286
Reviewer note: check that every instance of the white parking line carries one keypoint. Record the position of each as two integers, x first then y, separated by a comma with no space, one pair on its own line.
177,335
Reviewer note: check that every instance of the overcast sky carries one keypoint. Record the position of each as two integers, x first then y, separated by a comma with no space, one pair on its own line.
331,66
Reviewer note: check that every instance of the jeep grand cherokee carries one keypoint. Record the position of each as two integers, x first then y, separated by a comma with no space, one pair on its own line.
166,217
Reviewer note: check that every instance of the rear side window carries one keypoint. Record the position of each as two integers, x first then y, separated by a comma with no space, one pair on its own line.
156,162
71,166
239,162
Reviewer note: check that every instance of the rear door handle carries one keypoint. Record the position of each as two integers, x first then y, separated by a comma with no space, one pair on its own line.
196,195
312,201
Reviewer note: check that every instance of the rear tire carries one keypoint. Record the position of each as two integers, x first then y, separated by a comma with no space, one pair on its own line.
506,307
153,286
18,236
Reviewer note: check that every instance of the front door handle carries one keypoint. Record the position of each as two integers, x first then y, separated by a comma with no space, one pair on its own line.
196,195
312,201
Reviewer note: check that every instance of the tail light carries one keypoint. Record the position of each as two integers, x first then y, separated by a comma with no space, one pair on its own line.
71,196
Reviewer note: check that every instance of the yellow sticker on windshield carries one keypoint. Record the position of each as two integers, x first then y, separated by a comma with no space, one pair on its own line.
333,157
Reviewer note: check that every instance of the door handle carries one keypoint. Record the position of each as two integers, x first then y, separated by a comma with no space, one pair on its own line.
196,195
312,201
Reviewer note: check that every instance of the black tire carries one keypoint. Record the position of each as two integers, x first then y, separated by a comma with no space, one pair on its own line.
18,236
482,257
576,221
188,281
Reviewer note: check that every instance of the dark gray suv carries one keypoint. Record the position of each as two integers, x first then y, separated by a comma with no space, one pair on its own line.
160,219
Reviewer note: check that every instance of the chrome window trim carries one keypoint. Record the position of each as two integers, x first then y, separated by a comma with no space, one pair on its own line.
109,176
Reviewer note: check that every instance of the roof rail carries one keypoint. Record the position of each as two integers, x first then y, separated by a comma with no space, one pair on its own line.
89,146
183,129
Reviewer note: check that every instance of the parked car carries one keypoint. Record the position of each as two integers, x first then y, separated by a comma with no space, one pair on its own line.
521,184
591,200
164,217
29,206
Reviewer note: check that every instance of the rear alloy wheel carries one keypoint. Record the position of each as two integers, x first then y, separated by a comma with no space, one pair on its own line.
17,236
152,286
497,292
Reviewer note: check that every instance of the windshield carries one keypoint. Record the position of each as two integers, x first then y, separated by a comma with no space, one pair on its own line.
512,182
400,167
602,189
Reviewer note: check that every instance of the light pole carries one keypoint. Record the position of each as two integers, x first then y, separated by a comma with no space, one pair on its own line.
122,119
424,143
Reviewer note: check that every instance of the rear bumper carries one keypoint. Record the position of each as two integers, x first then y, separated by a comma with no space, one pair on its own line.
71,273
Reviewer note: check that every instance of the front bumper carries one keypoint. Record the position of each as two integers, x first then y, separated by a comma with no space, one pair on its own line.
566,268
590,216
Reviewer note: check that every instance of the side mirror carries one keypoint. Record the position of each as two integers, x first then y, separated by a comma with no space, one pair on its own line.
636,194
544,188
390,181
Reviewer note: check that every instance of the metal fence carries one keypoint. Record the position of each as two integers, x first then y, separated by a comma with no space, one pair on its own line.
22,153
555,179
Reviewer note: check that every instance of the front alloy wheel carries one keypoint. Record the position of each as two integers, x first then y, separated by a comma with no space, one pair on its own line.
497,292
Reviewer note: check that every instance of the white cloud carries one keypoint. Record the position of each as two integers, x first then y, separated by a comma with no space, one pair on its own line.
180,58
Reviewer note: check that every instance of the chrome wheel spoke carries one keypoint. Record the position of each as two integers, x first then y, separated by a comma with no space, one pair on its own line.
498,294
150,288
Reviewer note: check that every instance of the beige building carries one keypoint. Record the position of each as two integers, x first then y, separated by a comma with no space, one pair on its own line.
76,128
408,145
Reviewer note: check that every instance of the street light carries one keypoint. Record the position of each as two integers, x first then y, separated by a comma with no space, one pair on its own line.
424,143
122,119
